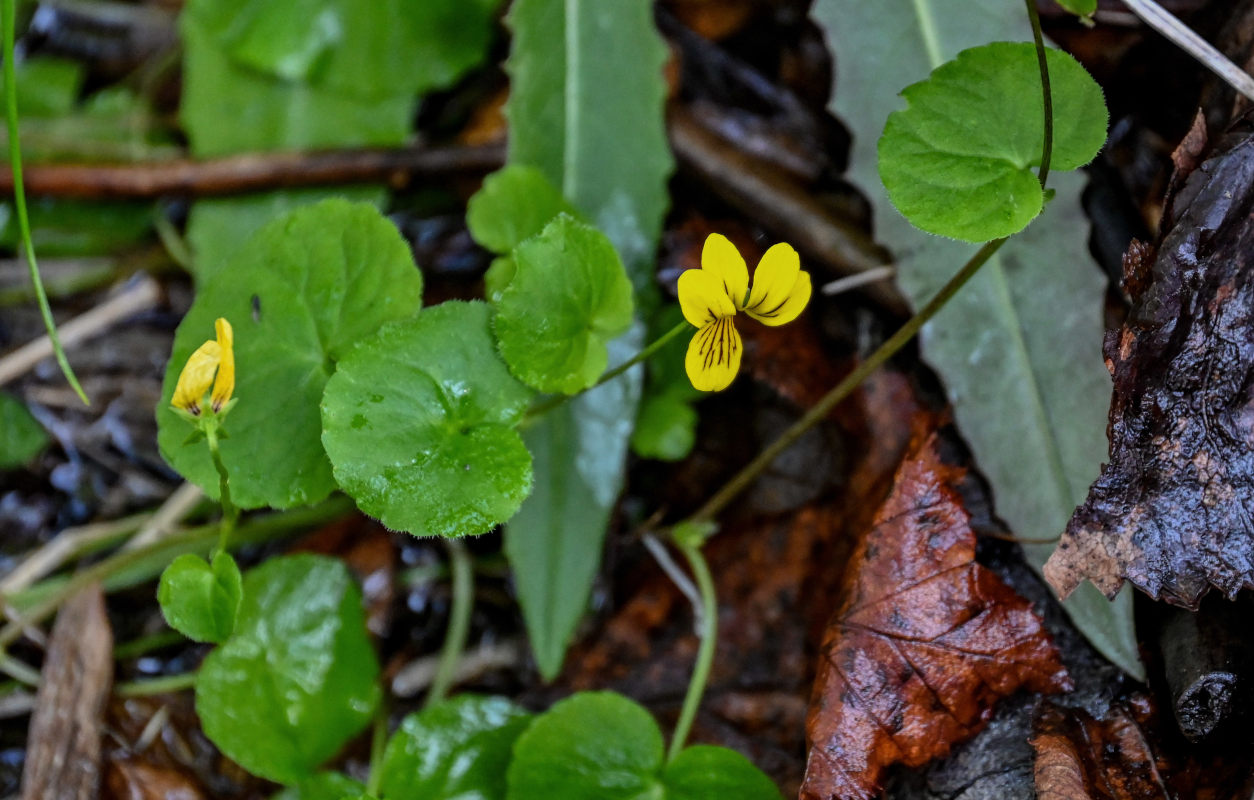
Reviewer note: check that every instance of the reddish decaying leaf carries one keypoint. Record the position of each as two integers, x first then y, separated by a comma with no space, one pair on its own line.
1173,509
923,643
1082,758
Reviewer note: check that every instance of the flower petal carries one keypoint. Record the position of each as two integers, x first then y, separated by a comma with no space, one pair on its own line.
224,384
713,359
702,297
720,257
196,377
774,278
790,308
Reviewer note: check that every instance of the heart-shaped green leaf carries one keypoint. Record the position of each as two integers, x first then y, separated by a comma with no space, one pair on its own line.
702,772
298,678
590,745
568,298
515,203
957,161
457,750
300,294
201,600
419,423
603,746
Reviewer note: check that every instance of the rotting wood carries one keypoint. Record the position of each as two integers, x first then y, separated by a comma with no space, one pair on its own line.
63,748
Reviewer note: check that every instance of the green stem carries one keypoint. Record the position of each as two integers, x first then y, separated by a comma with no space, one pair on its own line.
378,746
9,22
146,644
647,352
458,622
705,653
230,513
1047,98
742,479
162,685
154,557
18,670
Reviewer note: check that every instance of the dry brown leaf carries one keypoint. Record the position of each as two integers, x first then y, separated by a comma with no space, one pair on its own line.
1082,758
923,643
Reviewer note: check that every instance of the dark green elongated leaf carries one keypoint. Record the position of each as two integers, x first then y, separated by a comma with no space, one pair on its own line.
302,292
78,227
229,108
1027,383
419,423
568,298
297,680
201,600
323,786
515,203
21,436
370,50
603,746
554,541
956,161
586,108
457,750
47,86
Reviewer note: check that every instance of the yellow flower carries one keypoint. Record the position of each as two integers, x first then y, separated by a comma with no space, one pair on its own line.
711,296
212,365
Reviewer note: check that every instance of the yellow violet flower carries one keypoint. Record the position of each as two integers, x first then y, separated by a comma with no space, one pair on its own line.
711,296
211,366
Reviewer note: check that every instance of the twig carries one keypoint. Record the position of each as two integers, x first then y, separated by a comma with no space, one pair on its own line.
66,545
417,675
141,295
252,172
181,502
1181,35
884,273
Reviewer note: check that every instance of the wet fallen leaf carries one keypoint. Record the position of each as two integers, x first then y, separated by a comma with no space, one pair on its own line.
137,780
1173,510
923,644
1082,758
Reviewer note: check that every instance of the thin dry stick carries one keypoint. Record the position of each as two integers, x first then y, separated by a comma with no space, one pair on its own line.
181,502
142,295
251,172
66,545
1163,21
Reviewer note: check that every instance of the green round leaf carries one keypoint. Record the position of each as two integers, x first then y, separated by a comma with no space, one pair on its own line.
200,600
957,161
419,423
323,786
297,680
457,750
515,203
21,436
568,298
373,50
591,746
299,295
703,772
